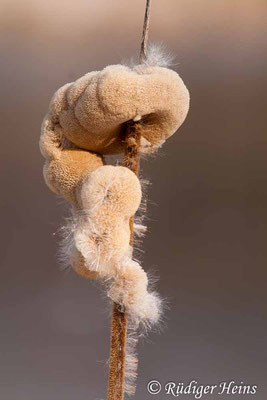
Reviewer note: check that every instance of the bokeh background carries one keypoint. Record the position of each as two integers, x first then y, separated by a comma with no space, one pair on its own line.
207,209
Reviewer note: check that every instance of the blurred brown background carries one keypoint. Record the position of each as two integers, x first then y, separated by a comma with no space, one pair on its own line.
207,225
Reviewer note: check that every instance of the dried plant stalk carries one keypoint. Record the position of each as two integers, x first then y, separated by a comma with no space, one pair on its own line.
119,318
117,354
143,51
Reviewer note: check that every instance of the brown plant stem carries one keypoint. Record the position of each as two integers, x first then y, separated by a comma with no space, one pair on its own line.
117,354
143,50
119,317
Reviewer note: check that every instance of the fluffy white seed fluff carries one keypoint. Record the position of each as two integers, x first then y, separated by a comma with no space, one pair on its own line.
100,232
157,56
